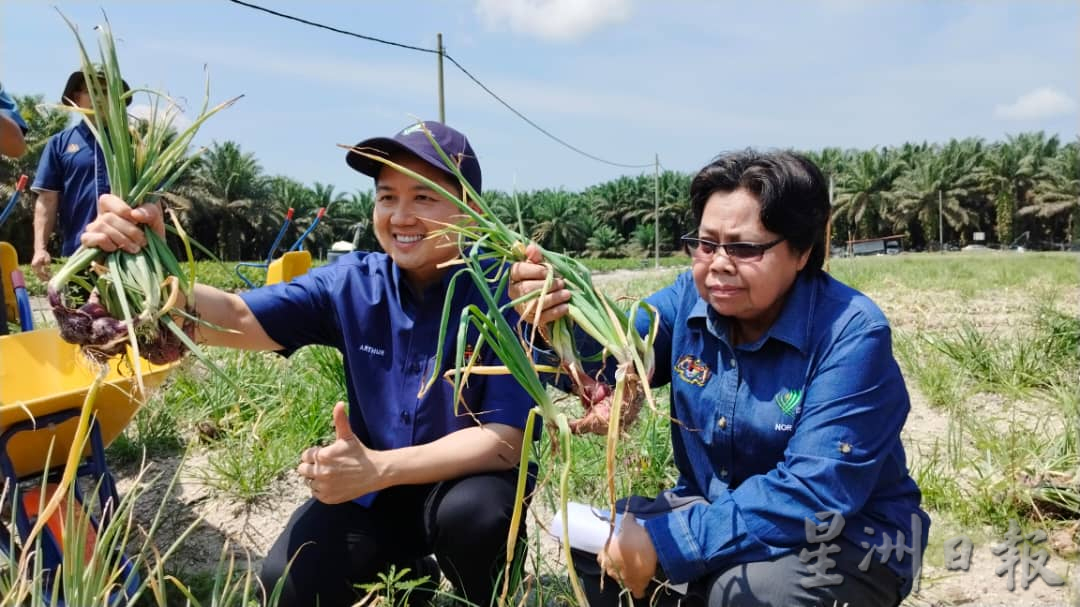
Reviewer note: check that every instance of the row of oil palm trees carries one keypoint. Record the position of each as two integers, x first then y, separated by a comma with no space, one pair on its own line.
1026,187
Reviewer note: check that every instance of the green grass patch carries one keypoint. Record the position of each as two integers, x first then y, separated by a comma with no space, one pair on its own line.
965,274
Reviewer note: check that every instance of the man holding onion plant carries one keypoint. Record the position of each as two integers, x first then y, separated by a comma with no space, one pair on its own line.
70,176
793,484
408,475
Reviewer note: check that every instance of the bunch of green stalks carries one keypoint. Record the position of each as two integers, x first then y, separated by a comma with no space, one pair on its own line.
482,237
131,297
119,563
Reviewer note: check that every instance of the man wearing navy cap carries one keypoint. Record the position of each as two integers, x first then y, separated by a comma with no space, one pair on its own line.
70,176
408,475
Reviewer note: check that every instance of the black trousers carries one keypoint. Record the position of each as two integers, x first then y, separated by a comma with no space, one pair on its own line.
779,582
772,583
463,522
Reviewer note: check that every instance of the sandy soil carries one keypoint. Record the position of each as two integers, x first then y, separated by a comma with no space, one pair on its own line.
250,529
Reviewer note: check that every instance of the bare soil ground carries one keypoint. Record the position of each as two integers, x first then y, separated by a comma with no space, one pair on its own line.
251,529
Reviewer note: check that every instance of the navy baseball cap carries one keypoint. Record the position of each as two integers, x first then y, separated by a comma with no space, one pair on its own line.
77,82
414,140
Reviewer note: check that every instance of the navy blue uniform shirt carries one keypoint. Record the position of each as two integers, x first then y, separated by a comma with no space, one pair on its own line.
68,166
805,420
361,305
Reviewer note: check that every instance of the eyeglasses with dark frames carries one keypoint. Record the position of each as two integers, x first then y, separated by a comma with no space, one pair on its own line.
705,250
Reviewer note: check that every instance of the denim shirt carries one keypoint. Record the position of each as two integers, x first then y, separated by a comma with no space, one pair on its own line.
805,420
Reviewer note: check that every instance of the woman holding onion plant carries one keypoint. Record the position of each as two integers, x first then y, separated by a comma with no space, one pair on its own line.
789,406
408,475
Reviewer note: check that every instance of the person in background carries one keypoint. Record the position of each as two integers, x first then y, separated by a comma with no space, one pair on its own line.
12,127
70,177
408,475
793,485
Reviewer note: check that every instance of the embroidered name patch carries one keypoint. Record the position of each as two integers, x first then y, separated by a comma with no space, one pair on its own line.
72,148
692,370
372,350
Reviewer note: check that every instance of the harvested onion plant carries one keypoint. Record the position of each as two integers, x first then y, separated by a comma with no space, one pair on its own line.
130,297
607,409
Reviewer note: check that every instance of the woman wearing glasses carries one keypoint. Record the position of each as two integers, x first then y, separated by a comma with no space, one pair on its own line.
793,485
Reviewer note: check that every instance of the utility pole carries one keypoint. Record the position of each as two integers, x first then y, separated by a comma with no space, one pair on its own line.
442,105
940,222
656,211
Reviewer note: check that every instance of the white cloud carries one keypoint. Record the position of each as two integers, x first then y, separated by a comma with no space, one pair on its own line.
1043,102
171,114
557,20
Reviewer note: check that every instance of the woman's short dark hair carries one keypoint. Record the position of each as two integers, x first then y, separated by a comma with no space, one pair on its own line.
791,189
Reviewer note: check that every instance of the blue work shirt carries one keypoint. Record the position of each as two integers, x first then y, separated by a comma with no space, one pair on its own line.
68,166
10,109
361,305
805,420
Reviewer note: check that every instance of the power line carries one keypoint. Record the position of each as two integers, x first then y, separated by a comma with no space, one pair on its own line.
537,126
334,29
457,65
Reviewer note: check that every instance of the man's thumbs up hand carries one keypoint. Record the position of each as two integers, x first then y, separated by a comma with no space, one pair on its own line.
343,470
342,430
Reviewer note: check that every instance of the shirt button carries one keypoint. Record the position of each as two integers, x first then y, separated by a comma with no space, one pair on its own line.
722,422
731,363
723,473
405,417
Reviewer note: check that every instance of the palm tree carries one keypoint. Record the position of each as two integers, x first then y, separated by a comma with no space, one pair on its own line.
1010,171
560,226
862,191
1056,197
352,219
940,182
512,207
674,207
605,241
323,197
832,161
619,202
230,209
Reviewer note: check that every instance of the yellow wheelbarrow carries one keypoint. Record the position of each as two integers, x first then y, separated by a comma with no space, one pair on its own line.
293,262
43,383
14,301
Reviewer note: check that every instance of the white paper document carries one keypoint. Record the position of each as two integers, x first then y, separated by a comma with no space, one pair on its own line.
589,529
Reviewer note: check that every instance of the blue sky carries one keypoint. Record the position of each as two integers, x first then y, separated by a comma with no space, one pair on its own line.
621,79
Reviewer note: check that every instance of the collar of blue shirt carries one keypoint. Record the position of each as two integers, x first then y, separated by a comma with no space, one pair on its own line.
791,327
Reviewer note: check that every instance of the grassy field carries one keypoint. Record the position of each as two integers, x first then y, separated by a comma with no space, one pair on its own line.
989,344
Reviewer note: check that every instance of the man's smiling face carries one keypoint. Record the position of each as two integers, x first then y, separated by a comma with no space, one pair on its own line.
407,213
